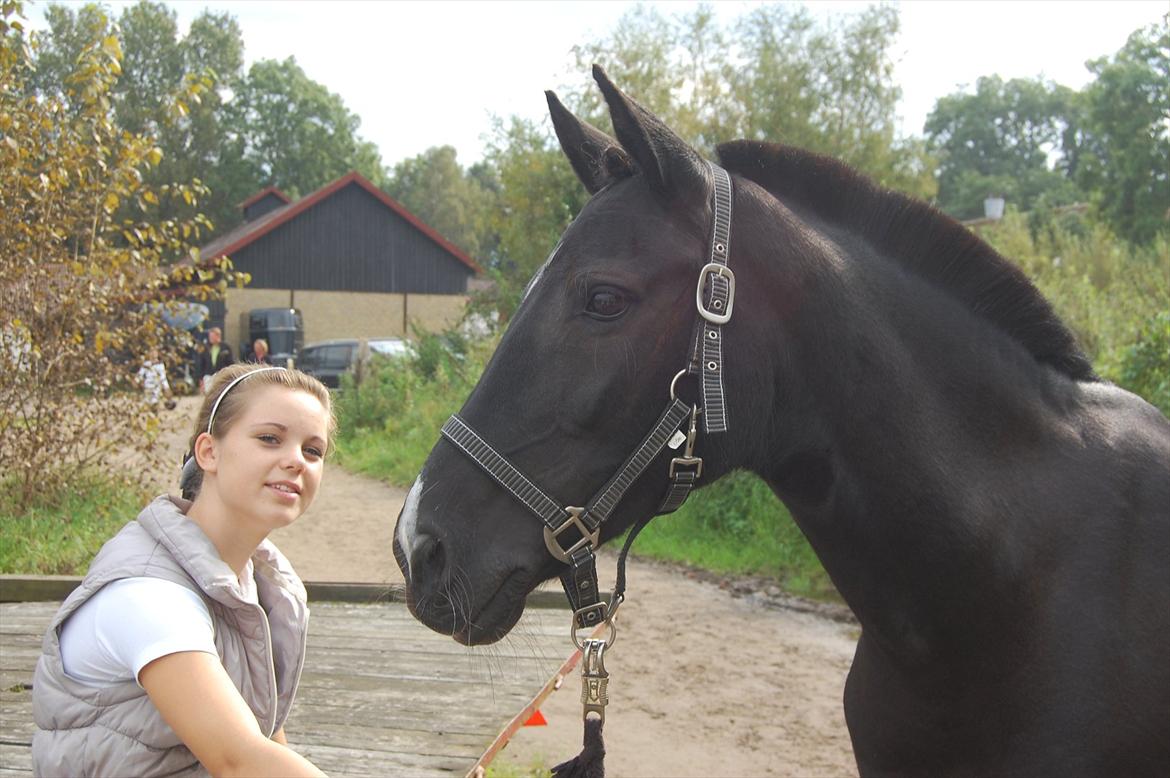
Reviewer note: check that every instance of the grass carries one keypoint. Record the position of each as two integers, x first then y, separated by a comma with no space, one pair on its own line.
62,532
737,526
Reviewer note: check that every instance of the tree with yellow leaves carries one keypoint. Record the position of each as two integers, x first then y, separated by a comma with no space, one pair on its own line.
84,286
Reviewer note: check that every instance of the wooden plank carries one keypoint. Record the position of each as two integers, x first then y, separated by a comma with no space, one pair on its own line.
380,694
15,761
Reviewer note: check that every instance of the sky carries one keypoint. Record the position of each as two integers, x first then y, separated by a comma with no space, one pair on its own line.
423,74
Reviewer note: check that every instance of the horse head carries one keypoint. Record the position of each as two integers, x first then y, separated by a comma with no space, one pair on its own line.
582,372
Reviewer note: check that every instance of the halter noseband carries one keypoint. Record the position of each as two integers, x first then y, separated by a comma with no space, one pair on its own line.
714,300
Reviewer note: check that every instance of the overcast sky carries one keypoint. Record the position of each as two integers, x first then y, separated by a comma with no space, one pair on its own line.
422,74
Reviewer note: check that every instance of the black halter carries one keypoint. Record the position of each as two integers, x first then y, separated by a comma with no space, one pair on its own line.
714,300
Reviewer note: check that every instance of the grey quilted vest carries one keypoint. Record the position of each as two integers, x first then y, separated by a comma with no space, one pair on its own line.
117,731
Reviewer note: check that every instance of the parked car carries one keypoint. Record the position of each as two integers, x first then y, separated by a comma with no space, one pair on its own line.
329,359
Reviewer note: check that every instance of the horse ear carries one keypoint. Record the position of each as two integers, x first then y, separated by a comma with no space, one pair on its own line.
582,143
667,160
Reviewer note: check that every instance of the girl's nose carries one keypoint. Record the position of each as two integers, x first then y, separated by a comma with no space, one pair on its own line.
295,460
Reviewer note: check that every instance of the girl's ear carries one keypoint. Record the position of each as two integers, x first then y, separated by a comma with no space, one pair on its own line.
205,453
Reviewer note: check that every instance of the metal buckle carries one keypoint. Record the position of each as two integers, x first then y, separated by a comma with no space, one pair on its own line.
610,637
715,317
695,462
587,537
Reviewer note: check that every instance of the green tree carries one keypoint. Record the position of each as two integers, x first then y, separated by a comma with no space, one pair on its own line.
828,89
1124,154
295,134
538,197
157,66
998,142
774,75
455,202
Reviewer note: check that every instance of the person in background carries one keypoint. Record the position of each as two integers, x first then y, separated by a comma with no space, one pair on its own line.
153,378
260,352
214,357
181,651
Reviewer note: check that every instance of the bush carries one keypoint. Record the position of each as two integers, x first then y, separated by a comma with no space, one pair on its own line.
390,420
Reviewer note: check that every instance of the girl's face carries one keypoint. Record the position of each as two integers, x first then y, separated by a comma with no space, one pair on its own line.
269,464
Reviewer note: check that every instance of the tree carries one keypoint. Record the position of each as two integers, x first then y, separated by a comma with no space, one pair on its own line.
455,202
1124,147
157,66
999,141
192,133
538,197
83,287
295,134
775,75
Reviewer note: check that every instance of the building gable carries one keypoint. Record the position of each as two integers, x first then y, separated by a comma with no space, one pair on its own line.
347,236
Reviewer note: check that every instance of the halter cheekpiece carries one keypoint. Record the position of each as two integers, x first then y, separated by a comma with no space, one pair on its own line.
678,425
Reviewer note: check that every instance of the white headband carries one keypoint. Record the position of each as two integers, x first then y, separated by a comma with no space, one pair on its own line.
229,387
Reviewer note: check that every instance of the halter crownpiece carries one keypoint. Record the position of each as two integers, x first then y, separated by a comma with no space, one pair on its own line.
714,300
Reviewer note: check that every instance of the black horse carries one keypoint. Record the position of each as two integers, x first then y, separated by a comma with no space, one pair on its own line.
996,516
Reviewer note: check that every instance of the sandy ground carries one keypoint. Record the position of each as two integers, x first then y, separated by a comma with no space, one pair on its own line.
709,677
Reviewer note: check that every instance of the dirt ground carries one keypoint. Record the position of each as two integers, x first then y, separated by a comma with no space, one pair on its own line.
708,676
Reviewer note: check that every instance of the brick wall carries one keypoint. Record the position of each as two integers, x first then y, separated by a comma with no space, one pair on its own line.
329,315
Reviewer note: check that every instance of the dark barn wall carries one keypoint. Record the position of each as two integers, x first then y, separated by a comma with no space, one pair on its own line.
266,204
351,242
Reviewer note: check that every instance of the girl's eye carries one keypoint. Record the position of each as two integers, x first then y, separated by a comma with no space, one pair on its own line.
316,453
606,303
268,438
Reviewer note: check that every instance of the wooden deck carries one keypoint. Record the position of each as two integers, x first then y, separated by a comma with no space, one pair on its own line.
380,694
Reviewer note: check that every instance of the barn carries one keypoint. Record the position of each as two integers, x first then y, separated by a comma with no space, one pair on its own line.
352,259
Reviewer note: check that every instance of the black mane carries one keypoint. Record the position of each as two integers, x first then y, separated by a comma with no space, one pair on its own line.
929,243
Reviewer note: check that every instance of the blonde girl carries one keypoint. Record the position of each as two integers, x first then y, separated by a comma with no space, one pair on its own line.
181,651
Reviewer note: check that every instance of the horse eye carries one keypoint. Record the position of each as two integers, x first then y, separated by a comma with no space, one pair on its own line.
606,303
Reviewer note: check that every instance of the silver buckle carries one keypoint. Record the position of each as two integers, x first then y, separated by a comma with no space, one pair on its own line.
587,537
715,317
695,462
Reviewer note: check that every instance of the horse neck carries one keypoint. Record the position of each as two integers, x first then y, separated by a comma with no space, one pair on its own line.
896,416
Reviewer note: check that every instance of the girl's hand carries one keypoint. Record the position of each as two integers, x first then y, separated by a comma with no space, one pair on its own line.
220,728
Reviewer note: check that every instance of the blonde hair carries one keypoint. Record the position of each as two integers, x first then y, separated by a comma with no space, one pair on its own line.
227,402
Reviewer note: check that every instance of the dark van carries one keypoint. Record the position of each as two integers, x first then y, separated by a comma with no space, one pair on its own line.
283,328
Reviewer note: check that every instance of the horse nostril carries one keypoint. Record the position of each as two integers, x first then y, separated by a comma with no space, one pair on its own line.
427,557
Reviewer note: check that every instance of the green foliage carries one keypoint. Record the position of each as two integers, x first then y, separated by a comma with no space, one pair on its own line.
456,203
737,525
997,142
775,74
1145,364
1124,154
295,134
63,529
1114,296
237,133
390,420
538,197
154,96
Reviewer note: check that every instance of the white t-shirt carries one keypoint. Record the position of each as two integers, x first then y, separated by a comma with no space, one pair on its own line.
128,624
